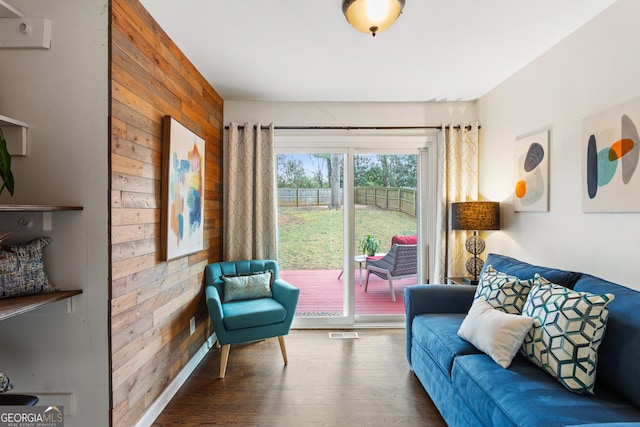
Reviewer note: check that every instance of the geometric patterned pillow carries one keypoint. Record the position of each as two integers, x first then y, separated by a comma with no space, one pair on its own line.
22,269
504,292
567,330
249,286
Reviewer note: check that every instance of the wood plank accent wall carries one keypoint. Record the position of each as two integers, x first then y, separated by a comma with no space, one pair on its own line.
152,301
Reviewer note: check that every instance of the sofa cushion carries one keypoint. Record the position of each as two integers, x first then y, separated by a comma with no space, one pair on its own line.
618,354
252,313
404,240
526,271
504,292
526,396
438,335
440,390
630,424
496,333
567,331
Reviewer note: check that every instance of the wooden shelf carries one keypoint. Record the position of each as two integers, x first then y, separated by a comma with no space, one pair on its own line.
37,208
19,305
15,133
8,11
8,121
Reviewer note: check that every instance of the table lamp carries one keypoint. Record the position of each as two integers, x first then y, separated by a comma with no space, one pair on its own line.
475,216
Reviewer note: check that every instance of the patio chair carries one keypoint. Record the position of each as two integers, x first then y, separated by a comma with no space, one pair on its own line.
400,262
243,307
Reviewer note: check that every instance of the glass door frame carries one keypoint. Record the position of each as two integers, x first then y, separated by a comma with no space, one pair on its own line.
421,142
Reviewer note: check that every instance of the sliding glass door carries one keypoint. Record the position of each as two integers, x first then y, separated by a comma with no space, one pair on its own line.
334,196
311,229
386,212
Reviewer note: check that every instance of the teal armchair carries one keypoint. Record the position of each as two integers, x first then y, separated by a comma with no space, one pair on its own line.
247,320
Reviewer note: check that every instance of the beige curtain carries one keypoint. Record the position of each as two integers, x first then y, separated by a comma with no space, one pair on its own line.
457,182
250,210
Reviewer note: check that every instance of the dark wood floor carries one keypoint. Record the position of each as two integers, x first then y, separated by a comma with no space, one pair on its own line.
328,382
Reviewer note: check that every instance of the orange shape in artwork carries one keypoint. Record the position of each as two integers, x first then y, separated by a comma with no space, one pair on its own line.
620,148
521,189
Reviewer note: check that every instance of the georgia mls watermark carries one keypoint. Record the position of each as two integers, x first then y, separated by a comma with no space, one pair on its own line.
31,416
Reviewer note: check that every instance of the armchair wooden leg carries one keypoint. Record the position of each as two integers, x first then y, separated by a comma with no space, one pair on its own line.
366,282
224,357
393,294
283,349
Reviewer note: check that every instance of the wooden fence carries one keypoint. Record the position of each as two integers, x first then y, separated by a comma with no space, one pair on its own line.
304,196
388,198
392,199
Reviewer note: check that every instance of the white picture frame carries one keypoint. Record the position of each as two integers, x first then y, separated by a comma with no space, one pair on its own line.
610,154
183,161
531,178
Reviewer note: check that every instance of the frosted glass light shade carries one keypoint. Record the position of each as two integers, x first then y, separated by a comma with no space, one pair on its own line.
372,16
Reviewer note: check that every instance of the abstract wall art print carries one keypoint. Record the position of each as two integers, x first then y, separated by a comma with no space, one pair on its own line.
610,152
531,186
183,161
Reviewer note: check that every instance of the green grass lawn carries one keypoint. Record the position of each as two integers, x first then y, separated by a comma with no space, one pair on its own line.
311,238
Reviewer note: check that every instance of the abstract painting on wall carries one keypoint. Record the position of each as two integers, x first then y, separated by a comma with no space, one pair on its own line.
531,188
182,190
610,151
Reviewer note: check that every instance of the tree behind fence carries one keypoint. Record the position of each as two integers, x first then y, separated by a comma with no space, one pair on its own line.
388,198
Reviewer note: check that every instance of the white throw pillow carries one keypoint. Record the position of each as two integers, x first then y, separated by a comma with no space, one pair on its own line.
494,332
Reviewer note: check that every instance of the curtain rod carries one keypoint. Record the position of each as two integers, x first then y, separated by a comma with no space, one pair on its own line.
352,127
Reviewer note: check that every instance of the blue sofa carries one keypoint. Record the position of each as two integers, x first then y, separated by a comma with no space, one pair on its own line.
470,389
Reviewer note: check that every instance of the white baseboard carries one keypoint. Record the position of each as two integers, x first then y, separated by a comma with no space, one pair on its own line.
163,400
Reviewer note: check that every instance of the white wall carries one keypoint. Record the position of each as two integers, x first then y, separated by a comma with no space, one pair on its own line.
63,94
593,69
350,113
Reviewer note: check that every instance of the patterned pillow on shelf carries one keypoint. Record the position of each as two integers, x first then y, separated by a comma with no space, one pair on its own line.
22,269
504,292
567,330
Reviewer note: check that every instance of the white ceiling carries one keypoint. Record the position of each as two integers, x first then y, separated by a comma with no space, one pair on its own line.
304,50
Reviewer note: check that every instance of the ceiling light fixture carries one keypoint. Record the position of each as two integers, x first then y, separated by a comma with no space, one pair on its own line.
372,16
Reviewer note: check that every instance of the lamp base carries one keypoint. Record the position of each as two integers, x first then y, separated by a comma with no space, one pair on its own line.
475,246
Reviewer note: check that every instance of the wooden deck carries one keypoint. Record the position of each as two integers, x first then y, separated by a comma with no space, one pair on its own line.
322,294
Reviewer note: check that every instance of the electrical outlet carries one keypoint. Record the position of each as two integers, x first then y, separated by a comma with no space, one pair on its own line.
192,325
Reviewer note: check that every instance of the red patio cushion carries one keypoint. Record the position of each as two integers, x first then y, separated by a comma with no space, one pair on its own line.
404,240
